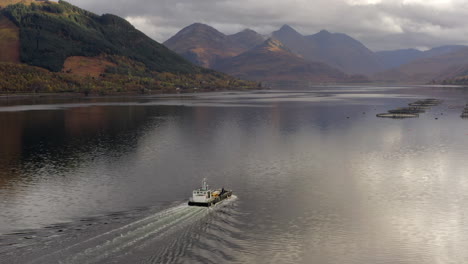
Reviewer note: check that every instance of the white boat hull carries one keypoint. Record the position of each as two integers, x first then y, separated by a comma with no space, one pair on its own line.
212,201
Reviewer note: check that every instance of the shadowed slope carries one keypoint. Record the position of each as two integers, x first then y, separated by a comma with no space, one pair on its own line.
273,61
335,49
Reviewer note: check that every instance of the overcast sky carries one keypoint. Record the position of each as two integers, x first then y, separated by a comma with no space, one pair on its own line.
378,24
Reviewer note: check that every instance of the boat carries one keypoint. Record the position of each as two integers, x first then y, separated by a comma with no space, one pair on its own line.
206,197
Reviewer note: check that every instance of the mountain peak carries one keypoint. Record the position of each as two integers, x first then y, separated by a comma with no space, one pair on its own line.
287,28
204,45
324,32
198,27
248,30
246,39
286,32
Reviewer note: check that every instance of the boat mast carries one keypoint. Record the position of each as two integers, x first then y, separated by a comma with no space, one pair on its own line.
204,185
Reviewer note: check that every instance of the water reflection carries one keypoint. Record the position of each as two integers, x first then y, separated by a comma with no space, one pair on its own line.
11,144
317,181
46,157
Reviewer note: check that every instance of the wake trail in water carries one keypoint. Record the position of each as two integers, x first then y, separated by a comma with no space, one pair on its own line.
117,241
126,240
207,236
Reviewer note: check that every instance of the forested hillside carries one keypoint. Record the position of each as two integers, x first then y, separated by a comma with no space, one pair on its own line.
51,32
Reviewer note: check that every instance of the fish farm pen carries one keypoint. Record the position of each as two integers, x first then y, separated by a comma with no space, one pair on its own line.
408,110
465,112
397,115
413,110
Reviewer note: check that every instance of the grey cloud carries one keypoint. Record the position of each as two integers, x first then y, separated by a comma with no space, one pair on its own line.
379,24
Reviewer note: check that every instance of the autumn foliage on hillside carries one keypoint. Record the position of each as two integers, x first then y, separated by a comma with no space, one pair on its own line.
20,78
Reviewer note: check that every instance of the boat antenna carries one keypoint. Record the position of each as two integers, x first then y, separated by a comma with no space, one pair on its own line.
204,185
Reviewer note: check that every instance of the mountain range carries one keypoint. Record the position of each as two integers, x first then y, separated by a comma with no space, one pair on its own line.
273,61
340,56
64,48
205,46
335,49
248,55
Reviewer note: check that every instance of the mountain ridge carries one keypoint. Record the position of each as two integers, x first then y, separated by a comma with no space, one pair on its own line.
427,69
395,58
205,45
273,61
335,49
342,51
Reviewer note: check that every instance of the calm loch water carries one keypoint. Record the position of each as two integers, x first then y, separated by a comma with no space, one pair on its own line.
318,178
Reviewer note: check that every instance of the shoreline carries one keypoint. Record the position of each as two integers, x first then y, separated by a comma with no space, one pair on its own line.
71,95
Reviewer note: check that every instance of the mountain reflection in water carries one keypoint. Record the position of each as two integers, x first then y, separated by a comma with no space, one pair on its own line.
317,176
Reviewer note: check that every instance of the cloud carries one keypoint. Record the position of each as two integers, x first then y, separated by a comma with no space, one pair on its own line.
379,24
